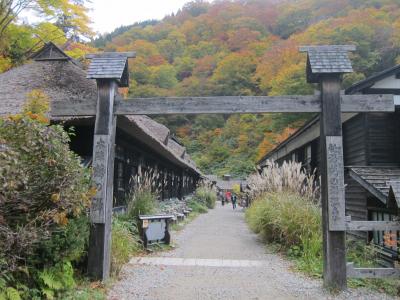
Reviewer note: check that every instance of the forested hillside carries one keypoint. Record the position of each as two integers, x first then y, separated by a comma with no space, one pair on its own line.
249,48
225,48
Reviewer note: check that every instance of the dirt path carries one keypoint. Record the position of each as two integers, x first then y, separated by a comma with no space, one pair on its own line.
219,258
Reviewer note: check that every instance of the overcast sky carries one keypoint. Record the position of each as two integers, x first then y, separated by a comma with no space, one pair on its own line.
110,14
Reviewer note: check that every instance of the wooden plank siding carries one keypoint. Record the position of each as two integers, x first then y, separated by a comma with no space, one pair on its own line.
354,140
356,205
383,139
355,154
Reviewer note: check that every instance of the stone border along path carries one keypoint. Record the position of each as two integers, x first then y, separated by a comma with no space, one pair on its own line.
219,258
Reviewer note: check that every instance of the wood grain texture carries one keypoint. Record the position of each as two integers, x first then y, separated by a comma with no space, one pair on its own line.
103,175
334,250
225,105
373,225
353,272
130,54
335,180
218,105
367,103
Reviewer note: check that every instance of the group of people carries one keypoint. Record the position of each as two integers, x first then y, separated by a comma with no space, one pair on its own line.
229,197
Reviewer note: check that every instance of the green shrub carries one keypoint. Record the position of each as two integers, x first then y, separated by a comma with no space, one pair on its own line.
56,279
141,202
125,243
142,198
206,196
68,244
197,207
366,256
292,221
44,198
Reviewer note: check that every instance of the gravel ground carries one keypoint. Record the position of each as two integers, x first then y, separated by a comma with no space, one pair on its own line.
222,234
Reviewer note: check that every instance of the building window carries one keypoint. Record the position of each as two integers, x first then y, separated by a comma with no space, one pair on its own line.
385,239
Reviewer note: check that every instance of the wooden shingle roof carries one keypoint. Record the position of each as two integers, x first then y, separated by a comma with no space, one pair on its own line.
377,180
110,65
327,59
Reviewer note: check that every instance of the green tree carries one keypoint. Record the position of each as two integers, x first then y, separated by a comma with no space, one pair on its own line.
163,76
70,15
233,75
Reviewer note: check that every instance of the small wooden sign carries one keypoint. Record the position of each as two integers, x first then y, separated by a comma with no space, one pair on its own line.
100,159
145,223
335,171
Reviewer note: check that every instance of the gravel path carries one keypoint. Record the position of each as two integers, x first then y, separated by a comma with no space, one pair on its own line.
212,260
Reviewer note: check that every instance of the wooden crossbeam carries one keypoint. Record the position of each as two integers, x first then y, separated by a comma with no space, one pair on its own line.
372,225
130,54
226,105
353,272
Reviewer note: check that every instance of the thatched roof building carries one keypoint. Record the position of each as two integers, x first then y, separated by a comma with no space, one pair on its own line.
62,79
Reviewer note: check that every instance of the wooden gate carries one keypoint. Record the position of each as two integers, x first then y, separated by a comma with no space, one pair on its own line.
325,66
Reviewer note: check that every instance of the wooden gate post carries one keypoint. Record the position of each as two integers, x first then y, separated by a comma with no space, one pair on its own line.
325,65
103,177
110,71
332,185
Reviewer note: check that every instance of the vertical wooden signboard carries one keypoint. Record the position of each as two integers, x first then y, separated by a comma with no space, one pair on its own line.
103,176
335,179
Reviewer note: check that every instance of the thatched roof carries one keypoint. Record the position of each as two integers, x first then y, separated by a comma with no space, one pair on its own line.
61,79
58,79
160,131
152,134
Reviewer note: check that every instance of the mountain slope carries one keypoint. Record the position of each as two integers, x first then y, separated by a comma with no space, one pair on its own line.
250,48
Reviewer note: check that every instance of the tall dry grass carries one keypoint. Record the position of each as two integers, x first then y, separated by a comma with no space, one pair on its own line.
205,195
289,177
285,211
145,190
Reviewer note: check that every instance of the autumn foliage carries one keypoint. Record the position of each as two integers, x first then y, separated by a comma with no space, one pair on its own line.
44,199
230,48
249,48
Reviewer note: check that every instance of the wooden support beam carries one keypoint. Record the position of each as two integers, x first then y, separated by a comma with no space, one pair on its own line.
130,54
367,103
353,272
226,105
181,192
332,184
103,177
218,105
373,225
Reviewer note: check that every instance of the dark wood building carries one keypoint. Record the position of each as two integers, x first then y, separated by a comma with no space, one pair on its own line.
142,144
371,144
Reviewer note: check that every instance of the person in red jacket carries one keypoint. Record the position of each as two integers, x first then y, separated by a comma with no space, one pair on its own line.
228,196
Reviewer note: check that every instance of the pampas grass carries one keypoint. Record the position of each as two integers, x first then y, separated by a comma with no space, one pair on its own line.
285,211
290,177
145,190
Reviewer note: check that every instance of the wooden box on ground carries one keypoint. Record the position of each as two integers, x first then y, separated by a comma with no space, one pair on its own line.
154,229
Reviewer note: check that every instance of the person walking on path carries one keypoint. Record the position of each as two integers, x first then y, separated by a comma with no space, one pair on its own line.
234,199
228,196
